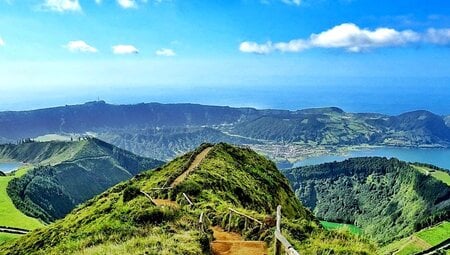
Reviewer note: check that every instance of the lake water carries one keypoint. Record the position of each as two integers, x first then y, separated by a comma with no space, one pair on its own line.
434,156
9,166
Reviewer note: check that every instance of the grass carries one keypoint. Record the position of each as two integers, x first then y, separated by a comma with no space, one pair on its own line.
421,240
333,226
440,175
435,235
4,237
9,215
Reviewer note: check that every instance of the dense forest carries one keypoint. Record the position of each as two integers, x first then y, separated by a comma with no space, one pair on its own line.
388,198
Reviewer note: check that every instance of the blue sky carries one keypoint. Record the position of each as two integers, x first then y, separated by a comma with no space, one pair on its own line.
61,49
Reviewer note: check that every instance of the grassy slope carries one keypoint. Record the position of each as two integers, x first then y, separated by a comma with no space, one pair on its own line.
121,220
421,240
9,215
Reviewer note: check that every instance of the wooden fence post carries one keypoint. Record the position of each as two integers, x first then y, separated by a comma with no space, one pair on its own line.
200,221
187,198
278,229
229,221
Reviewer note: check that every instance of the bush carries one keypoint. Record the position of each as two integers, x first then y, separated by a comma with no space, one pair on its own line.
130,193
154,215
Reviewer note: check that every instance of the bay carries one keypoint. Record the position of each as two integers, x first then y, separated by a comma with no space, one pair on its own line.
436,156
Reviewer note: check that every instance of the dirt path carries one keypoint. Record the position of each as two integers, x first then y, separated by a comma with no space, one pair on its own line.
229,243
198,159
166,202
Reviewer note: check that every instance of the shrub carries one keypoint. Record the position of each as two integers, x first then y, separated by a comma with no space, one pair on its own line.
154,215
130,193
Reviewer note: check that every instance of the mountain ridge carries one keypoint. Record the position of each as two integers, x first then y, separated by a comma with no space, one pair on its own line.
178,128
65,174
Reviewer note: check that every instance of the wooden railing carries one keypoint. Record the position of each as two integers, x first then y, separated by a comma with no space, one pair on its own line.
203,222
280,240
188,199
246,218
149,197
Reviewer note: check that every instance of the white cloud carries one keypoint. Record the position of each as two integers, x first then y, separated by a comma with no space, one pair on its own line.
292,2
165,52
62,5
127,4
438,36
253,47
80,46
98,1
354,39
346,36
124,49
292,46
2,43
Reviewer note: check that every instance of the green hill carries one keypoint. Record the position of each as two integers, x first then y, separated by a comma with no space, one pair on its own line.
387,198
123,220
65,174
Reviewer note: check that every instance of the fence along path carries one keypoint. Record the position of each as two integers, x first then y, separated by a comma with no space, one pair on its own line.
227,242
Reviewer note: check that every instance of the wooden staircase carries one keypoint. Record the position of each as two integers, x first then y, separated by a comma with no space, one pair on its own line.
229,243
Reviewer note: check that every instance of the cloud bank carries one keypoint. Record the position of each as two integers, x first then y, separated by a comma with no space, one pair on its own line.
2,43
124,49
80,46
351,38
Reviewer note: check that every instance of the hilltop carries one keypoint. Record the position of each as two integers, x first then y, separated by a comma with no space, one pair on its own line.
62,175
138,217
387,198
163,131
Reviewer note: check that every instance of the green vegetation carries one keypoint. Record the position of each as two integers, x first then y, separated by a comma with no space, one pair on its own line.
420,241
333,226
67,174
4,237
387,198
435,235
123,220
440,174
10,216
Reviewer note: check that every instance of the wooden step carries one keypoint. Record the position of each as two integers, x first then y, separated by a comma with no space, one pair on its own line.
239,248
